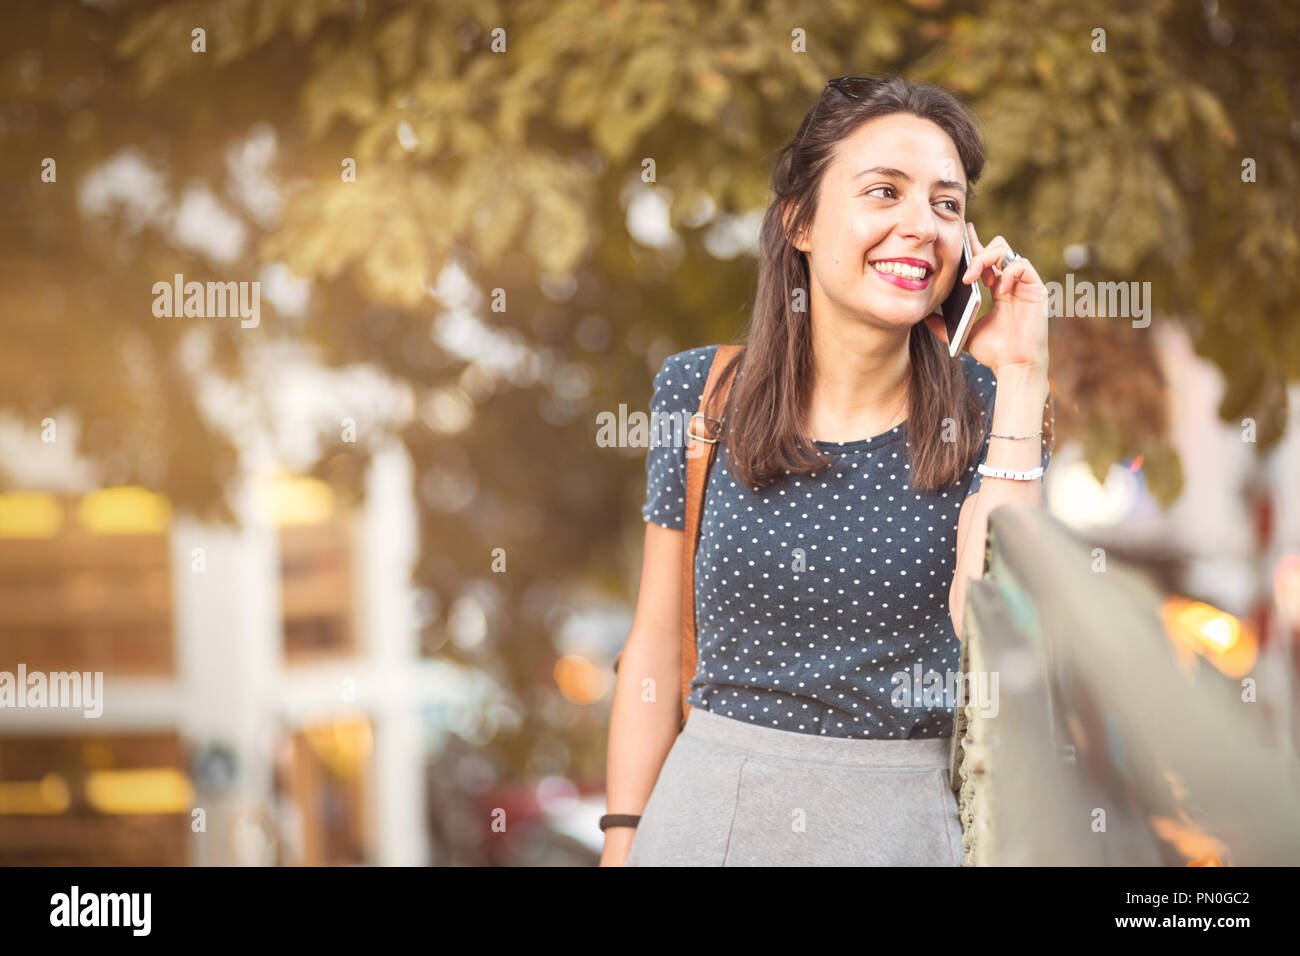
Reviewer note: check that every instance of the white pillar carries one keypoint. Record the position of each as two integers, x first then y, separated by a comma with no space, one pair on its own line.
387,546
228,636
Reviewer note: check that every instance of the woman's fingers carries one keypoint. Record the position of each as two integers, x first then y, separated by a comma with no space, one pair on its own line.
1022,270
985,259
1013,274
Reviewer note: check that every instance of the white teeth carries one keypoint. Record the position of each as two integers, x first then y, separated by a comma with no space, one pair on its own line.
900,269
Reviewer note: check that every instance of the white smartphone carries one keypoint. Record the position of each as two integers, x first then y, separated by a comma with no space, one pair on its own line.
963,303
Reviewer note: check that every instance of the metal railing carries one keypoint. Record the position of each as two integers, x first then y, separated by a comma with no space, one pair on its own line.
1102,737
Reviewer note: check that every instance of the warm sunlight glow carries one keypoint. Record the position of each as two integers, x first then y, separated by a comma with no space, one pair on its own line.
124,510
29,514
1216,635
148,790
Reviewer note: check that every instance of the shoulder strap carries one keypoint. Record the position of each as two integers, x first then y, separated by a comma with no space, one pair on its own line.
701,445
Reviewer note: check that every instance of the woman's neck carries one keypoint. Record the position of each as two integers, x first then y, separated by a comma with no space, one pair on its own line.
859,384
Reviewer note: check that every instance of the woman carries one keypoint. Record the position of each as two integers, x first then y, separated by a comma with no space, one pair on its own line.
831,569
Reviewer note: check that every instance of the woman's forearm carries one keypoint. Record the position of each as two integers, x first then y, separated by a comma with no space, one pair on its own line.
1017,410
642,729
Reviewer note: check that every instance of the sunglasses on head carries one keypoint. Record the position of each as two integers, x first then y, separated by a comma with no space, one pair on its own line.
854,87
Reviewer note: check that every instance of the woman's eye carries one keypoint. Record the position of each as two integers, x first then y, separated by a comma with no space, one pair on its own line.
952,205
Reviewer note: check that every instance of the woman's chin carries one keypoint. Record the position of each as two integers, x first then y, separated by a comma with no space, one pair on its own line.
898,318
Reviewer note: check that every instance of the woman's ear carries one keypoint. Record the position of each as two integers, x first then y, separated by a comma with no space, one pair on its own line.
790,210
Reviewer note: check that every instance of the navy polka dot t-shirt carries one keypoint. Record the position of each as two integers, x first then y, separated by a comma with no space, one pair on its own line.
821,603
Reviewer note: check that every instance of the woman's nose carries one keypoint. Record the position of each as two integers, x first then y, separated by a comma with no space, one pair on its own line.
918,222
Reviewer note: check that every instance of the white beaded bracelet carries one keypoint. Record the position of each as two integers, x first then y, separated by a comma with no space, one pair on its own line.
987,472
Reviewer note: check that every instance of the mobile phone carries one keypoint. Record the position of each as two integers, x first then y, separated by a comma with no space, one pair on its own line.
963,303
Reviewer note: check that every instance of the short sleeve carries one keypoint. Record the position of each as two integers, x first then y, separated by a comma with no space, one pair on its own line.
678,387
985,385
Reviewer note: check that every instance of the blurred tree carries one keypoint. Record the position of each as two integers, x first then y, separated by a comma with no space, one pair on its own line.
511,140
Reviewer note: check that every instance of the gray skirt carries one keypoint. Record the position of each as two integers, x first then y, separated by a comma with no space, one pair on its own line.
732,793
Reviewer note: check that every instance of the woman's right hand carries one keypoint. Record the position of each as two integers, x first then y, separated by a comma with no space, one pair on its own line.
618,841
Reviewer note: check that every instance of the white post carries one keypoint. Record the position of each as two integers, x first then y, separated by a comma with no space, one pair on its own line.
386,551
228,636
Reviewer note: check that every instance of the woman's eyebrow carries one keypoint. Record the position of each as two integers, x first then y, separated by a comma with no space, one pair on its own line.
899,174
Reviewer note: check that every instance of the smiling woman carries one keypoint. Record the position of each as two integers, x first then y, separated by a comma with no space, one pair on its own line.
867,223
830,529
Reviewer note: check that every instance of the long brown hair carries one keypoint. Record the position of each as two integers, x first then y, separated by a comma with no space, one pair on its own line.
764,411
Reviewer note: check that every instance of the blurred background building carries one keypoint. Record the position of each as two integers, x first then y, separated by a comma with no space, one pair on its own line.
265,675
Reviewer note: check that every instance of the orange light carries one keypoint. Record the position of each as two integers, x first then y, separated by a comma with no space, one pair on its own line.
1216,635
1190,840
145,790
49,795
126,509
342,746
30,514
580,681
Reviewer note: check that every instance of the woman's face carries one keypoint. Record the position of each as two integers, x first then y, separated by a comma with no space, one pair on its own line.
893,196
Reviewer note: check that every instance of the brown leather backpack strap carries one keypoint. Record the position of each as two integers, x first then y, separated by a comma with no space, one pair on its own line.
705,427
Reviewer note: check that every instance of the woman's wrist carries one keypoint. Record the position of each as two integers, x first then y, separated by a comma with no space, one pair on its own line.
1017,373
1020,416
1022,386
618,842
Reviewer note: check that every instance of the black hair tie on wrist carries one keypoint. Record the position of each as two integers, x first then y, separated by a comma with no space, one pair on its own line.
619,820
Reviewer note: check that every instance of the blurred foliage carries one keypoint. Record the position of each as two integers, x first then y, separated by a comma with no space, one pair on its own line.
519,163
